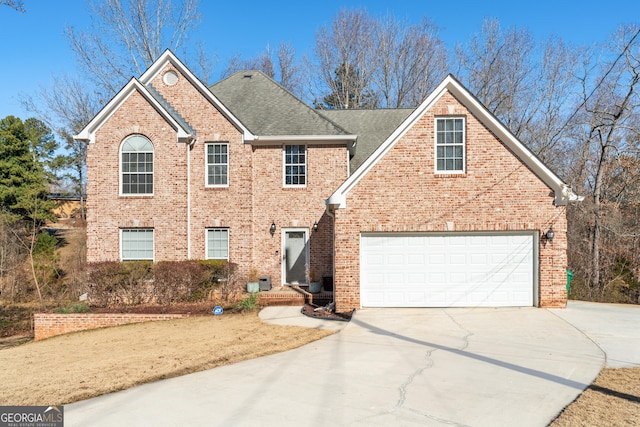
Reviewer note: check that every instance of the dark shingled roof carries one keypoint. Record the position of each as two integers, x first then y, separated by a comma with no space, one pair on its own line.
267,109
373,127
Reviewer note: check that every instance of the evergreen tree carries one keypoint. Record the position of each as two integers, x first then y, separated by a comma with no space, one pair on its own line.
348,91
26,166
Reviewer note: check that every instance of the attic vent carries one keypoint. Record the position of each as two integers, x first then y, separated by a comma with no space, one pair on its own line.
248,76
170,78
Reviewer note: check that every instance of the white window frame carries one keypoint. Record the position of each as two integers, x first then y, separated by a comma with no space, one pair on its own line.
124,231
207,164
451,144
206,242
121,172
285,164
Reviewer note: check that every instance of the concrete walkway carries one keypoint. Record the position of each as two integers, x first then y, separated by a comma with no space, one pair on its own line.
433,367
614,327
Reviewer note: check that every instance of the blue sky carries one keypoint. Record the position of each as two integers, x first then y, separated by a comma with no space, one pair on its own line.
34,47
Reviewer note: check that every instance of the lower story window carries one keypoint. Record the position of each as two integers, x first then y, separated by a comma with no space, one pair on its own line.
137,244
218,243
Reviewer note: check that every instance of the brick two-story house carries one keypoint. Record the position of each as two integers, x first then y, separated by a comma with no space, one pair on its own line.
435,206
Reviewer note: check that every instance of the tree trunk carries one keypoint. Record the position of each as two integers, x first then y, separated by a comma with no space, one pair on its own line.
33,272
597,223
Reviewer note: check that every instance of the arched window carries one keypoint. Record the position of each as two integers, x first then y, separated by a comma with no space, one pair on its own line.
137,165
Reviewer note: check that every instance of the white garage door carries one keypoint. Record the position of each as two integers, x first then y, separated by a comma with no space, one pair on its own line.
447,270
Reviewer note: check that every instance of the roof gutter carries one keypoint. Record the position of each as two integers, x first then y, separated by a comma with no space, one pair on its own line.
350,140
329,139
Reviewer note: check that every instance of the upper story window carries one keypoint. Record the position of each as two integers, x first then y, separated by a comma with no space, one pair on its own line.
217,243
295,166
136,244
217,164
137,165
450,145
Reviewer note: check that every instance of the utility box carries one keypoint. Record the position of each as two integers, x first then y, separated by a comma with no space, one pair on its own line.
265,283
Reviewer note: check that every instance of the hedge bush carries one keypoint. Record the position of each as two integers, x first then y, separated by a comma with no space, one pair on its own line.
113,284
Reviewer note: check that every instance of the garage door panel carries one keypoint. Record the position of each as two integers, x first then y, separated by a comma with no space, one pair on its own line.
457,259
479,259
376,298
417,259
447,270
416,279
395,297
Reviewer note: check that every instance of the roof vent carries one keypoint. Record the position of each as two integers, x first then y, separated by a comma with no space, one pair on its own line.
248,76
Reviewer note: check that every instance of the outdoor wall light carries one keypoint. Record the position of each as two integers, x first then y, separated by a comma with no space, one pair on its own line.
550,234
315,226
272,229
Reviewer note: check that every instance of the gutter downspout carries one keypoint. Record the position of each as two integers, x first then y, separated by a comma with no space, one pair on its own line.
189,146
333,252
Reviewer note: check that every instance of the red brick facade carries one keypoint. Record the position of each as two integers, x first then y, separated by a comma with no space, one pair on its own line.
399,193
403,193
183,207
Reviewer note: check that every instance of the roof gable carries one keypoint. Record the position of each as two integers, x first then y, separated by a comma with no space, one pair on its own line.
168,57
184,133
143,85
563,193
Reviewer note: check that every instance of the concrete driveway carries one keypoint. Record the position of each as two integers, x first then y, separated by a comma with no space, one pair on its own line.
401,367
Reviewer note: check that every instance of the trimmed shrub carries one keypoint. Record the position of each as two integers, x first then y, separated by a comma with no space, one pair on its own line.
180,281
113,284
119,283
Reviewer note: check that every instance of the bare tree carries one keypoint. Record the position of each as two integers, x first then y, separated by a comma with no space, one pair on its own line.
14,4
66,107
608,129
261,62
344,53
128,35
497,68
280,66
290,71
410,61
361,61
529,86
543,122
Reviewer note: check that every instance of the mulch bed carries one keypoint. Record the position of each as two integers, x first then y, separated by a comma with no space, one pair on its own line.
325,314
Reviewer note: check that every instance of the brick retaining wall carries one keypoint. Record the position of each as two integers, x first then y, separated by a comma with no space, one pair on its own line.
46,325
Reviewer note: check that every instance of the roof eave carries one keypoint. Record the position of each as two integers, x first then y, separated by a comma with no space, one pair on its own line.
88,133
328,139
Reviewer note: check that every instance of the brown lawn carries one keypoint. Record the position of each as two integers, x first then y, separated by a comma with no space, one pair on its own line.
77,366
612,400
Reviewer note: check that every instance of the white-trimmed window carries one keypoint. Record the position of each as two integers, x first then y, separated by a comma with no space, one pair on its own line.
450,145
295,166
217,243
217,164
136,244
136,165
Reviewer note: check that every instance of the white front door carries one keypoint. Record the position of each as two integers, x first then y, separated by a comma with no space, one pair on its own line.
295,251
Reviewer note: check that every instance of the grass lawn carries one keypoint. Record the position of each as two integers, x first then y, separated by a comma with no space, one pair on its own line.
612,400
81,365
